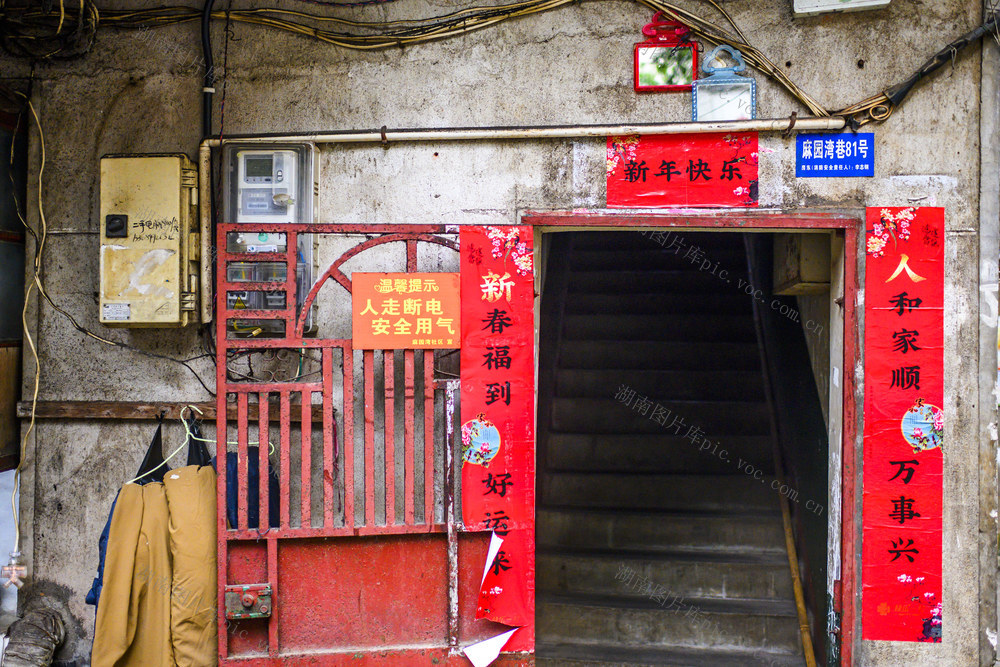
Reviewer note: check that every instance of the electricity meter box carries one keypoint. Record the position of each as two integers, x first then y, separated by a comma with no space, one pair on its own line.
269,183
150,246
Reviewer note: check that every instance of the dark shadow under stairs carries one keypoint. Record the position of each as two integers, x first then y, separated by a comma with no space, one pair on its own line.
651,552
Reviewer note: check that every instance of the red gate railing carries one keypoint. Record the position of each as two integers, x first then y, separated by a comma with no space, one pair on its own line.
328,487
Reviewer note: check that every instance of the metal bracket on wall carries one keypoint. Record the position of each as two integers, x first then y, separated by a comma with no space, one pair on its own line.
248,601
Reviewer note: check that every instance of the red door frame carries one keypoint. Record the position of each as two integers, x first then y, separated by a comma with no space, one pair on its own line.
759,220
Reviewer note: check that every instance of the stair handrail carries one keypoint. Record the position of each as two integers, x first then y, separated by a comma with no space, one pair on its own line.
779,471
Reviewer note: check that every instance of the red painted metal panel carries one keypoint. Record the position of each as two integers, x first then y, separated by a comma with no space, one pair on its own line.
408,415
247,565
377,592
388,361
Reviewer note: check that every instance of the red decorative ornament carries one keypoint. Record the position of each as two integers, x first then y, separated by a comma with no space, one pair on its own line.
667,61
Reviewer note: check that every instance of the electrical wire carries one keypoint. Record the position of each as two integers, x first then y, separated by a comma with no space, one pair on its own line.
25,23
27,334
365,35
32,34
39,284
356,3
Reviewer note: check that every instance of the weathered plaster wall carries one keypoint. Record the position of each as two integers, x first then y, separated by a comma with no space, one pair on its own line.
573,65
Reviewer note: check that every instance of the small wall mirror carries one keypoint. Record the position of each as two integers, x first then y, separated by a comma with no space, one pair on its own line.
664,67
667,61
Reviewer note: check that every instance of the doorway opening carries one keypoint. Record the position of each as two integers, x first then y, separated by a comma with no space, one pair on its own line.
685,415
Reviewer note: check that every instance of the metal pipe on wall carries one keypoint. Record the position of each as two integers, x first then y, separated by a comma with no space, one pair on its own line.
526,132
543,131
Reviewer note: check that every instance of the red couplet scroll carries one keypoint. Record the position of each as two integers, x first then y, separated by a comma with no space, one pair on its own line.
904,425
497,412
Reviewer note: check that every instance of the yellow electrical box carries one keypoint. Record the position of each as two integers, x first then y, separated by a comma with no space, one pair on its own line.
149,241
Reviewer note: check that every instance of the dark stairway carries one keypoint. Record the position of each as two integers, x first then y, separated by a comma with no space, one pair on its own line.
651,552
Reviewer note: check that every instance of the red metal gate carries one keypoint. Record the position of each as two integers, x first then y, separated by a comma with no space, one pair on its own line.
361,559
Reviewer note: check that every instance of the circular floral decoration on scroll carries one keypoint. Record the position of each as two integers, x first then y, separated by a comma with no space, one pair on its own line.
923,426
480,440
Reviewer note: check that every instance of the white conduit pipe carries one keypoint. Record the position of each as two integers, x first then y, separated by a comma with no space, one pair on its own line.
547,132
473,134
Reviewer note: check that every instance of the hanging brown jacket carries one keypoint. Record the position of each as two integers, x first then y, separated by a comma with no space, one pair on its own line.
133,617
191,500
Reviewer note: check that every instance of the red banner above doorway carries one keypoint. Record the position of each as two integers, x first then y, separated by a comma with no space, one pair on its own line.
668,170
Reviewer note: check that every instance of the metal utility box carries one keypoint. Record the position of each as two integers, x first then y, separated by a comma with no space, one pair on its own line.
801,263
269,185
149,241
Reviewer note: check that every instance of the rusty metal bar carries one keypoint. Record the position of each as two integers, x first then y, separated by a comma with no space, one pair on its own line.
428,436
272,577
449,511
358,531
329,464
242,462
287,342
285,446
411,256
389,366
263,477
368,368
306,467
257,387
363,229
408,415
348,437
141,410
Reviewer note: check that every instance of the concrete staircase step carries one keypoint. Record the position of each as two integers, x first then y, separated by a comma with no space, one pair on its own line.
654,622
580,654
655,256
658,453
721,385
716,419
666,328
652,354
626,280
755,575
660,491
632,239
731,301
649,531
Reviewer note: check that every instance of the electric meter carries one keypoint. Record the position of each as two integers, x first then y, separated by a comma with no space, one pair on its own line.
268,184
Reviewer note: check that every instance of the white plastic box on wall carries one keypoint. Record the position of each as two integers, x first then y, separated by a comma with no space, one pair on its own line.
810,7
